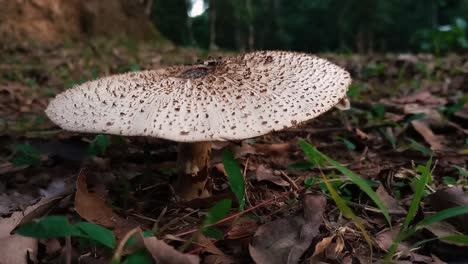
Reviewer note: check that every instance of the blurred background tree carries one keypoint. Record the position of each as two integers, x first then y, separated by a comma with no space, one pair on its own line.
362,26
316,25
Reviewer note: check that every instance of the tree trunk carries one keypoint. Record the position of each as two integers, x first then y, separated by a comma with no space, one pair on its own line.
52,21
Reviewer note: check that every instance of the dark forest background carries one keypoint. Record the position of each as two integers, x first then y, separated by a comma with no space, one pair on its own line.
437,26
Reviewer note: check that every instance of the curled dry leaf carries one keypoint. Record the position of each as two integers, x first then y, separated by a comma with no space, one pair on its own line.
390,203
265,174
322,245
285,240
15,248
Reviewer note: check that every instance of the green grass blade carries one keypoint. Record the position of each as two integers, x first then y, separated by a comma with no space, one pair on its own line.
311,152
418,194
419,190
346,210
217,212
235,177
461,239
442,215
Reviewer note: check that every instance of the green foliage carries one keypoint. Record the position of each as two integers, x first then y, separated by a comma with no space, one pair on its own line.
98,233
25,154
450,110
235,177
444,38
59,226
49,227
98,146
349,145
216,213
420,184
419,147
354,91
407,230
139,257
312,153
345,209
319,25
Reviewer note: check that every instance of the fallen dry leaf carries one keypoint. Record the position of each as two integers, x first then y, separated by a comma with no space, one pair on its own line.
322,245
162,253
273,149
436,141
451,197
385,238
390,203
285,240
19,249
443,229
422,97
265,174
219,259
91,206
242,227
206,244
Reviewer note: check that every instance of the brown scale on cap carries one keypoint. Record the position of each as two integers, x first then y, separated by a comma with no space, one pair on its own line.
266,91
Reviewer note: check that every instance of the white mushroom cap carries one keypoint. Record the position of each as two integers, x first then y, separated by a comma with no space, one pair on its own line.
227,99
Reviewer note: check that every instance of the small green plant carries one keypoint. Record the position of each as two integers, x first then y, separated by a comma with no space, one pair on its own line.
355,90
98,146
414,145
235,177
450,110
373,70
444,38
216,213
407,230
317,157
59,226
25,154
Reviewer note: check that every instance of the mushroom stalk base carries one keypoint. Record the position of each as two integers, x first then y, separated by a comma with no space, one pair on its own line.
192,164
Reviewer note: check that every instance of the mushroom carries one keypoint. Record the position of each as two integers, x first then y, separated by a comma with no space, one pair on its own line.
218,100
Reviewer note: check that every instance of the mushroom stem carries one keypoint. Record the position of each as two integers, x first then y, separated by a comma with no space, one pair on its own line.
192,164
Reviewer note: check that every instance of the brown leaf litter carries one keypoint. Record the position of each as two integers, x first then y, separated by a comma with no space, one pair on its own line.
285,240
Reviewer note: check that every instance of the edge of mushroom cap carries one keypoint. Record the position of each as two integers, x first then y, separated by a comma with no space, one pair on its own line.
55,117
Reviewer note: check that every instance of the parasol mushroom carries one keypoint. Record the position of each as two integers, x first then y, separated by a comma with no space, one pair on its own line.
225,99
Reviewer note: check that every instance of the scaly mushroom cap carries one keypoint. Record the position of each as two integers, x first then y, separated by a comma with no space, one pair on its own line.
227,99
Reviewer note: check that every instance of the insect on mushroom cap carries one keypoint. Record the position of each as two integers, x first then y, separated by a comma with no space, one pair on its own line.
226,99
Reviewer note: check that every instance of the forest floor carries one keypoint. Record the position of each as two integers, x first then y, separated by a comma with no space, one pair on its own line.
405,110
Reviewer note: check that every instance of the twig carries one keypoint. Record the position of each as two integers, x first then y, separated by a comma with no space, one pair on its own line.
235,215
118,252
289,180
68,250
158,220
